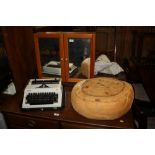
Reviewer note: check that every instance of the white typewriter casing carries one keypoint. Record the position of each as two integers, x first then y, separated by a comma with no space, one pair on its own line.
35,88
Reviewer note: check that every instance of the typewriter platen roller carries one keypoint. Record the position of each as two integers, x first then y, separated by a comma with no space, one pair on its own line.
43,93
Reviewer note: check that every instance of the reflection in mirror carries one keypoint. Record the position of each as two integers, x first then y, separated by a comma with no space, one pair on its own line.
50,57
79,57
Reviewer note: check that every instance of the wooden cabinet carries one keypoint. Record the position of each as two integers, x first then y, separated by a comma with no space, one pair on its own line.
15,121
62,54
66,118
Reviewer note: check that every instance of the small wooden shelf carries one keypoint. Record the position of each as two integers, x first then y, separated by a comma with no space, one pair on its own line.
72,48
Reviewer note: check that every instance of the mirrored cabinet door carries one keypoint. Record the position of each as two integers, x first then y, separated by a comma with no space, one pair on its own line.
49,54
79,56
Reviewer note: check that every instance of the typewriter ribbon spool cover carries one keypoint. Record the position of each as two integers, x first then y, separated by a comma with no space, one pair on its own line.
102,98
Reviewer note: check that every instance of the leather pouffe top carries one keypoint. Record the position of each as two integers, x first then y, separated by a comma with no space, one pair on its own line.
102,98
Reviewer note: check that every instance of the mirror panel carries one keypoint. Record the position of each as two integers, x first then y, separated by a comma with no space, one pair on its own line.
50,57
79,50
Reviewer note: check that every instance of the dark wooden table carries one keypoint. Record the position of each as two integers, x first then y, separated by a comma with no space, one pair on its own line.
65,118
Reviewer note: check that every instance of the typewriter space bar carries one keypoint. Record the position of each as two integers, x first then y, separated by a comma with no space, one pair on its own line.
39,102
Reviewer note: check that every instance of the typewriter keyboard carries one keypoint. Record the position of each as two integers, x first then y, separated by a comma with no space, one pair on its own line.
42,98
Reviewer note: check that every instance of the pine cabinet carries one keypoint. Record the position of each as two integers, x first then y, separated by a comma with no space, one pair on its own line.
68,55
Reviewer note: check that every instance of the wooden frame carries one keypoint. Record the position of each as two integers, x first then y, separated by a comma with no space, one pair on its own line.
83,35
37,51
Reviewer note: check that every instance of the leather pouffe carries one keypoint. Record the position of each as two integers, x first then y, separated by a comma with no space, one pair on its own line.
102,98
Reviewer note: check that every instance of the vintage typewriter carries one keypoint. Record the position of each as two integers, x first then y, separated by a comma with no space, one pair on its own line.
43,93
